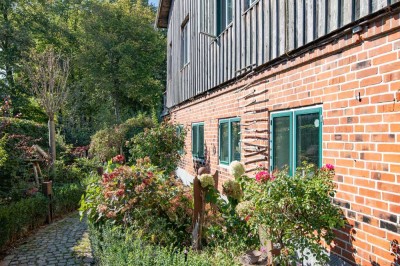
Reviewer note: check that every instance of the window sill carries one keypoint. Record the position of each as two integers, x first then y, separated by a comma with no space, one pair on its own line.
230,25
250,7
199,160
185,66
224,166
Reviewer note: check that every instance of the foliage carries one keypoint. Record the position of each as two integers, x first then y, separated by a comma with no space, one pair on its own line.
18,137
141,198
161,144
295,211
107,143
18,218
119,246
21,215
67,197
17,126
223,227
106,85
107,48
3,152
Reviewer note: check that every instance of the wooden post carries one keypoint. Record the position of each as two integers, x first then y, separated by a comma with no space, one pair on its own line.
47,189
198,212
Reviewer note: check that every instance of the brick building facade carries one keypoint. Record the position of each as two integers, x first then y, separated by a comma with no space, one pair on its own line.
353,81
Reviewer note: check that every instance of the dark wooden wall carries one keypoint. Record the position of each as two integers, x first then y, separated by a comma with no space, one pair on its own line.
265,31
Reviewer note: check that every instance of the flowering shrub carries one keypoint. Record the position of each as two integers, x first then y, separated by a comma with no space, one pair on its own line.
139,197
109,142
236,169
207,181
296,211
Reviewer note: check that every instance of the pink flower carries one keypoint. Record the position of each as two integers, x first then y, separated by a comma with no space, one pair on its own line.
328,167
264,176
120,159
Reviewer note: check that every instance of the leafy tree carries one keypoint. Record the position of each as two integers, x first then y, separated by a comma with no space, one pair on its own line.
121,55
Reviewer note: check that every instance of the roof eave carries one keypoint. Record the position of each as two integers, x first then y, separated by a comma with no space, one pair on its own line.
163,13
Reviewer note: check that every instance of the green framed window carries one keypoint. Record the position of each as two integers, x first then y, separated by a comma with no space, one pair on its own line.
198,140
224,14
296,136
229,140
179,130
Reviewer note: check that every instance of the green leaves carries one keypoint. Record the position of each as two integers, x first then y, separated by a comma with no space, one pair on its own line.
296,211
162,144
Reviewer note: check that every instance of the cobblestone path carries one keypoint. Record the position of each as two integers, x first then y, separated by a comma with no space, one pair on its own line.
65,242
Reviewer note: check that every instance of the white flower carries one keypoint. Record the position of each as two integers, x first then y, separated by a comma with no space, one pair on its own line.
232,189
236,169
206,180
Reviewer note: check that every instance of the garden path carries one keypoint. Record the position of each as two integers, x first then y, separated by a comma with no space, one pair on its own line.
65,242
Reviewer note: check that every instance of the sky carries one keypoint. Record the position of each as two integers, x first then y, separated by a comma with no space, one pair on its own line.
154,2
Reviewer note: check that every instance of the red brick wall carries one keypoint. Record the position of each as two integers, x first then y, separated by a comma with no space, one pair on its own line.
361,138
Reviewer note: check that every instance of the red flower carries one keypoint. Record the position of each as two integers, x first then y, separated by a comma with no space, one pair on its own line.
264,176
120,192
247,218
120,159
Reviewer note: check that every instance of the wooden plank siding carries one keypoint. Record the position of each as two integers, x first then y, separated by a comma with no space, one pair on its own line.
258,34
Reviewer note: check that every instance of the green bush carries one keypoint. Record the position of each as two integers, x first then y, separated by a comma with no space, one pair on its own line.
3,152
67,197
18,126
162,144
118,246
108,143
16,219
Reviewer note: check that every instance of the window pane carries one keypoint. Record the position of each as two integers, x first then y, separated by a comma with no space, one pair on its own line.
228,12
200,144
281,142
235,141
224,142
307,139
194,140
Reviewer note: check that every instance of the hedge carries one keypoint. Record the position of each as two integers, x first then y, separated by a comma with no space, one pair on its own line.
67,197
18,218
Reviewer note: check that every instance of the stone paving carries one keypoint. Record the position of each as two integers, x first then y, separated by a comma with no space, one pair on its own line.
65,242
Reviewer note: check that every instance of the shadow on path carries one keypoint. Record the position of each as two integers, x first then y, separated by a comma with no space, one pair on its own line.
65,242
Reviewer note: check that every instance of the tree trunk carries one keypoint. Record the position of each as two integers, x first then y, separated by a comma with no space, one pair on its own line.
52,139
